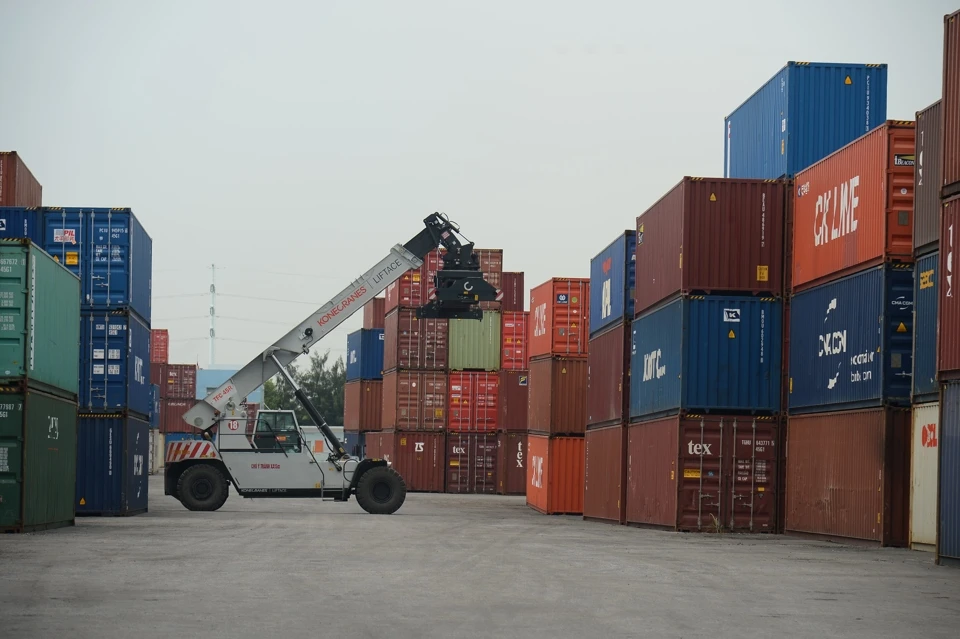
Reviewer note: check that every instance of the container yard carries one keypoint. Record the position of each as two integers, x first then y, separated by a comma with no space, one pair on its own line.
678,371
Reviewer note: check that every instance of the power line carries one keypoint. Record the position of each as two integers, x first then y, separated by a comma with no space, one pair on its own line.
268,299
179,295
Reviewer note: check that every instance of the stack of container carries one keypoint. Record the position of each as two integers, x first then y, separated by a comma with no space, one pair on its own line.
557,412
514,385
705,381
612,282
178,390
159,355
363,391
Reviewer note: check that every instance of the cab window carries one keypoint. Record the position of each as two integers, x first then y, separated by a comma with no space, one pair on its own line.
277,432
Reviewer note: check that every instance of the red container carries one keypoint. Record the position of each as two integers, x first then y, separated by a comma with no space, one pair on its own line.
473,401
415,400
159,346
514,298
711,235
374,313
854,208
605,474
409,342
418,457
560,317
18,187
948,304
512,463
412,290
472,463
514,335
179,381
558,396
362,405
171,415
491,265
848,475
926,179
951,105
555,474
608,377
158,376
703,473
513,400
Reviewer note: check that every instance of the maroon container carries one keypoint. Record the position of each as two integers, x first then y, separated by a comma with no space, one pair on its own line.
491,265
848,475
514,326
711,236
511,284
608,377
948,304
171,415
362,405
417,456
558,396
605,474
158,377
415,400
926,179
703,473
512,463
18,187
950,168
514,398
374,313
409,342
179,381
472,463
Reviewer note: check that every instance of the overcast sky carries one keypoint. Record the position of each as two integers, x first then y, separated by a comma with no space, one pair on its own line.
293,143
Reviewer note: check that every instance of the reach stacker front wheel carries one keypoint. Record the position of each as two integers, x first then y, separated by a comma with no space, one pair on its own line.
381,491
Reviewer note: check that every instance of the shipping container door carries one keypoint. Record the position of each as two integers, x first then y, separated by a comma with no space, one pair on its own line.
115,360
65,234
925,328
121,262
923,476
752,485
700,477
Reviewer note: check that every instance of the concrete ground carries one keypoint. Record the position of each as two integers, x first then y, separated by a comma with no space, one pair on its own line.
450,566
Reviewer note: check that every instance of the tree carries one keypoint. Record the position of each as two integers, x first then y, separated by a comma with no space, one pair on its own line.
321,382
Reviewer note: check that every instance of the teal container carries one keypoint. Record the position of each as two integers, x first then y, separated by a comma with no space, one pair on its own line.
474,345
39,320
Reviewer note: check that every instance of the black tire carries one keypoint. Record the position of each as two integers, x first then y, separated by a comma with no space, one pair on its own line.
381,491
202,487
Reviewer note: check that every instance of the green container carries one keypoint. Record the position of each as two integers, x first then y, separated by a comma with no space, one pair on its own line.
38,461
475,345
39,320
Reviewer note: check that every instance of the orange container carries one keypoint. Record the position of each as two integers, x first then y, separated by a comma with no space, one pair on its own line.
560,317
555,474
854,208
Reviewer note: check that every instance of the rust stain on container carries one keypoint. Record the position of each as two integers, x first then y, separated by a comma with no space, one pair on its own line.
560,317
18,187
605,474
413,343
848,475
555,474
512,463
926,179
415,400
514,400
711,235
472,463
417,456
362,405
854,208
514,354
558,396
374,313
514,294
608,376
948,304
950,168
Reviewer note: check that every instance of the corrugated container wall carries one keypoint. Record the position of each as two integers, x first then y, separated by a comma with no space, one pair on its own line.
514,293
415,400
511,463
473,401
491,265
38,461
154,406
475,345
18,187
613,275
110,251
178,381
608,376
926,179
365,354
923,476
559,318
418,457
605,474
514,337
924,377
413,288
951,105
555,475
159,346
363,405
854,209
948,540
851,342
707,353
804,113
948,306
114,362
711,235
112,473
17,223
848,475
373,313
410,342
558,396
171,415
472,463
40,324
513,400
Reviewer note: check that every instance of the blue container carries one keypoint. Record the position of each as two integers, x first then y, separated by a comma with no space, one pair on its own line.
925,387
115,363
948,541
154,406
181,437
613,277
109,250
851,342
210,379
355,443
365,354
707,354
112,465
16,222
803,114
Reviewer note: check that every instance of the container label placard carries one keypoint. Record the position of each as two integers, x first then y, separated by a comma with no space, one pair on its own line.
562,298
65,236
731,315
